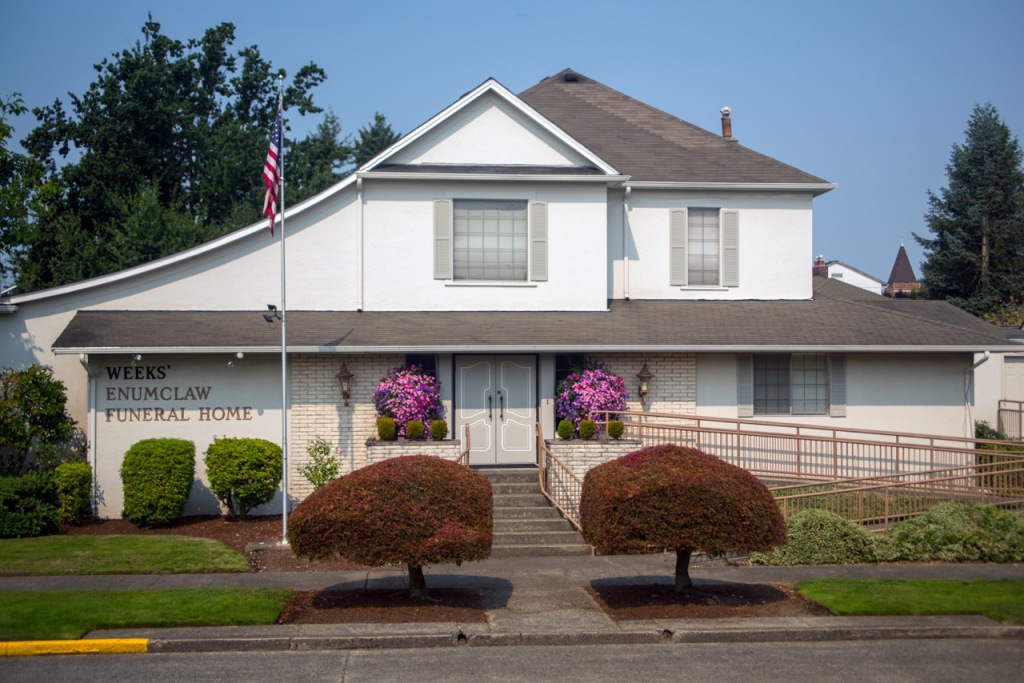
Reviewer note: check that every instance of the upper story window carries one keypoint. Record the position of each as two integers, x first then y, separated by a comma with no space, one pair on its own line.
490,240
704,247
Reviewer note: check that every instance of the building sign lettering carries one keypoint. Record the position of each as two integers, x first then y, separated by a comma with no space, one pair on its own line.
173,394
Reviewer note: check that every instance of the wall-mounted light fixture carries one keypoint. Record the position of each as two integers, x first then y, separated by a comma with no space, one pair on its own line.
269,317
645,376
345,378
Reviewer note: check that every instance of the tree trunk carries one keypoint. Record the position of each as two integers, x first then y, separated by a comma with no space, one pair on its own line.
417,584
683,581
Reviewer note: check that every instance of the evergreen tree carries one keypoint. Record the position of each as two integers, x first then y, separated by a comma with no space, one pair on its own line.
161,153
19,174
374,139
976,257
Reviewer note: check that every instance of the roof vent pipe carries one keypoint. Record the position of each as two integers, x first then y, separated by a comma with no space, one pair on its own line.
726,123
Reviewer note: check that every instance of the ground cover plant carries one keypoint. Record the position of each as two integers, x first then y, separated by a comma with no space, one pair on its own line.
60,615
61,555
672,497
821,537
1000,600
413,510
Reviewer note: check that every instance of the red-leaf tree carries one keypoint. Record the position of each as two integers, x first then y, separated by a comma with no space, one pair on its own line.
414,510
680,498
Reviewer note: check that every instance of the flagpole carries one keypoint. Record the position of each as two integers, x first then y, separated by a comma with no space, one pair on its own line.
284,342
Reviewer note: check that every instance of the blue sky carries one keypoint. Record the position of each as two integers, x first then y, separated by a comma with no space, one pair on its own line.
867,94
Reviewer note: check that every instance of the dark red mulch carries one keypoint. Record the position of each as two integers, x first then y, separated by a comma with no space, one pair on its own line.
459,605
709,601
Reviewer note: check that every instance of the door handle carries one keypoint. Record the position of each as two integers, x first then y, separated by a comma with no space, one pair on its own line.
501,406
490,407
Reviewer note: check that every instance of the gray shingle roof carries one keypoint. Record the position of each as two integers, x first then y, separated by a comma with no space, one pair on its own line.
649,144
839,317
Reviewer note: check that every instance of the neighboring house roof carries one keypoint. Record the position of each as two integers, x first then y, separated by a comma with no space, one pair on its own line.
902,271
649,144
847,266
839,318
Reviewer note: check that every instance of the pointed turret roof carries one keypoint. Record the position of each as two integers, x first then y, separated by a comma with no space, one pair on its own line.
902,271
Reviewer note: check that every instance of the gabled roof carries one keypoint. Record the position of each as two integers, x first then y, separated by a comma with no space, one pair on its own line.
847,266
902,271
650,145
839,318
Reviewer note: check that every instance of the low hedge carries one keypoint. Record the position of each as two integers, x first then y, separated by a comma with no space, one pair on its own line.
957,532
28,506
73,481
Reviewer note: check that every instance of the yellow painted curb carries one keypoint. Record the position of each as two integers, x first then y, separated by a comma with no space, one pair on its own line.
28,648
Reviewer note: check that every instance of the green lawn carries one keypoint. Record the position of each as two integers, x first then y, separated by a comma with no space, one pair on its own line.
61,615
51,555
1000,600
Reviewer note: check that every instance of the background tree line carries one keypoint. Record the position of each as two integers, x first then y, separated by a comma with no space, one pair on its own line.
162,152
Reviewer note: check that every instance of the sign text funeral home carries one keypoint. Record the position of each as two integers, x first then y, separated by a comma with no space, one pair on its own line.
146,384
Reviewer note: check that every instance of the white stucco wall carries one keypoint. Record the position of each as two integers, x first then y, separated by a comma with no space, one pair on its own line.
844,273
885,392
774,246
398,247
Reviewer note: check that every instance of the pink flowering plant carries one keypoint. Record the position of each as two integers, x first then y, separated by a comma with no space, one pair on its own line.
586,390
408,393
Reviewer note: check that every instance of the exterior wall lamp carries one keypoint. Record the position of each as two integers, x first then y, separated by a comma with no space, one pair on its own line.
645,376
345,378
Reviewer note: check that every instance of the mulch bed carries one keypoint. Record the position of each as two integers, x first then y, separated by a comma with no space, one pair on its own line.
458,605
709,601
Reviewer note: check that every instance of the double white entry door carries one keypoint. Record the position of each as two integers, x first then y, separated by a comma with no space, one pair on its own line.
497,397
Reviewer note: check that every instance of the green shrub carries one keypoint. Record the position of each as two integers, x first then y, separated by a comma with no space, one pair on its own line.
821,537
1006,483
157,476
414,430
28,506
243,472
387,430
73,481
414,510
565,429
957,532
588,429
322,466
616,428
678,498
36,431
438,430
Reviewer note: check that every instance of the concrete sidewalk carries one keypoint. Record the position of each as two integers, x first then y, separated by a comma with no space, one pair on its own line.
534,601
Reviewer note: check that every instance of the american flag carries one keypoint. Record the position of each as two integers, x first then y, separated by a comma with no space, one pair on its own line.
272,172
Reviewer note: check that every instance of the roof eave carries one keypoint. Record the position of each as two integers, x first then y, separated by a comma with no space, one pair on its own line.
813,188
606,179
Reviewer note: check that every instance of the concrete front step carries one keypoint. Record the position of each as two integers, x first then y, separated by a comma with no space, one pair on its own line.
531,512
527,524
514,488
509,475
532,538
524,500
539,550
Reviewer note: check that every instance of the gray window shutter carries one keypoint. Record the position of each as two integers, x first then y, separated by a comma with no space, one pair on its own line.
677,247
442,239
539,241
744,385
731,248
837,386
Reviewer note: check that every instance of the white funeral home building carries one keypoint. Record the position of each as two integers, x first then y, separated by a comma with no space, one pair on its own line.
496,244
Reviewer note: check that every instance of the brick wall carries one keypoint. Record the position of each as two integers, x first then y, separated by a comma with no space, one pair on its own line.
674,387
383,450
582,456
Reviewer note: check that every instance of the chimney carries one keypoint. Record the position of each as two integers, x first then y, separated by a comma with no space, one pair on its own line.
820,269
726,123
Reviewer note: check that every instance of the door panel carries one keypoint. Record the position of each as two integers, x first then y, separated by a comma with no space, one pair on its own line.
495,396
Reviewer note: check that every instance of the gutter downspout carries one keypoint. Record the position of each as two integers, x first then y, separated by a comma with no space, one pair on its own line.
968,384
359,243
625,243
91,391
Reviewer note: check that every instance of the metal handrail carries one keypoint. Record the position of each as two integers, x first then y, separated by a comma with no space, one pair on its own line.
559,484
1011,418
463,457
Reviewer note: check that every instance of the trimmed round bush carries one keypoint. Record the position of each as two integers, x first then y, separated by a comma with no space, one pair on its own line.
957,532
157,476
414,430
616,429
28,506
387,430
414,510
588,429
243,473
73,481
438,430
821,537
678,498
565,430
